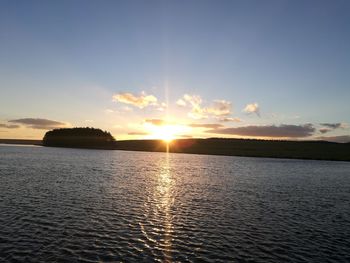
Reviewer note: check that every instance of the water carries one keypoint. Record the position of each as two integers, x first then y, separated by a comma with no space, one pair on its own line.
70,205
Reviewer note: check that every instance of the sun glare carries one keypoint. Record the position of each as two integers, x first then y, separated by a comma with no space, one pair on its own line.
166,133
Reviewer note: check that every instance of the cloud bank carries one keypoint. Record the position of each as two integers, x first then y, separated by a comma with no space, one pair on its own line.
9,126
282,131
328,127
43,124
334,125
206,125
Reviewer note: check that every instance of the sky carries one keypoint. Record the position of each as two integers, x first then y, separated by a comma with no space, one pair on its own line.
159,69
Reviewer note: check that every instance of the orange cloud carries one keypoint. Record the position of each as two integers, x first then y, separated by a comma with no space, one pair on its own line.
157,122
228,119
206,125
141,101
138,133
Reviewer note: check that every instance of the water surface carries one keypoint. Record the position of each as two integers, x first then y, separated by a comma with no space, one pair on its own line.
71,205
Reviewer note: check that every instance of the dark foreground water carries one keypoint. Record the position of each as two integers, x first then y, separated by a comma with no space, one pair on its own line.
69,205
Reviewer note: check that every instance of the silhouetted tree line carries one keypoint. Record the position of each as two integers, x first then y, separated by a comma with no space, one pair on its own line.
79,137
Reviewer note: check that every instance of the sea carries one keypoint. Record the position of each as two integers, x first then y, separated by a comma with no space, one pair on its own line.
76,205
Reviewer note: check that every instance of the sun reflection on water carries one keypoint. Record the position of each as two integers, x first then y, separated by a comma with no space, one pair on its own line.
164,189
157,226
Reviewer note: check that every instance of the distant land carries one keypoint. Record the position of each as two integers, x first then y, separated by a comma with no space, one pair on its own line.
314,150
79,138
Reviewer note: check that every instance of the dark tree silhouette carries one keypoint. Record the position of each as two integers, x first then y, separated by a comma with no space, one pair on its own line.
79,138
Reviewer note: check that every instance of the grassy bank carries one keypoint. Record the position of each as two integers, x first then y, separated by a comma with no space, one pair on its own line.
316,150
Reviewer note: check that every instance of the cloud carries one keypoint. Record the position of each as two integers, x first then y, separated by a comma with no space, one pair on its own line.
324,130
126,109
138,133
282,131
252,108
195,102
328,127
108,111
334,125
181,103
228,119
218,108
162,106
141,101
39,123
339,139
157,122
206,125
9,126
185,136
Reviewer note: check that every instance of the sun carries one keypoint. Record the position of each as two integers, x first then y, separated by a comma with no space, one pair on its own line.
167,132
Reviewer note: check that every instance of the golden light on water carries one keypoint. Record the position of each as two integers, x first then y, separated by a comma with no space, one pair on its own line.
165,185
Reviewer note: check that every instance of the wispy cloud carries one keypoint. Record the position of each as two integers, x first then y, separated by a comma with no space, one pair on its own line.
141,101
38,123
229,119
181,103
195,102
108,111
138,133
162,106
324,130
157,122
206,125
218,108
334,125
126,109
185,136
282,131
252,108
9,126
328,127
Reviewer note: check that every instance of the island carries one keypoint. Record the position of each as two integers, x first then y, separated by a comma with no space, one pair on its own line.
91,138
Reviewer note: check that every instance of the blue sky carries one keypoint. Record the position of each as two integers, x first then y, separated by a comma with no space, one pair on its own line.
65,60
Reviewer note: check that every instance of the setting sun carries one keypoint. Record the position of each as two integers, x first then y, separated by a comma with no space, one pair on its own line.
167,132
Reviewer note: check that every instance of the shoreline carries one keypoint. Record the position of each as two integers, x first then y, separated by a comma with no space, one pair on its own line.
302,150
21,142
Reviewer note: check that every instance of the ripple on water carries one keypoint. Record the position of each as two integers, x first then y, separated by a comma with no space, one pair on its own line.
67,205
